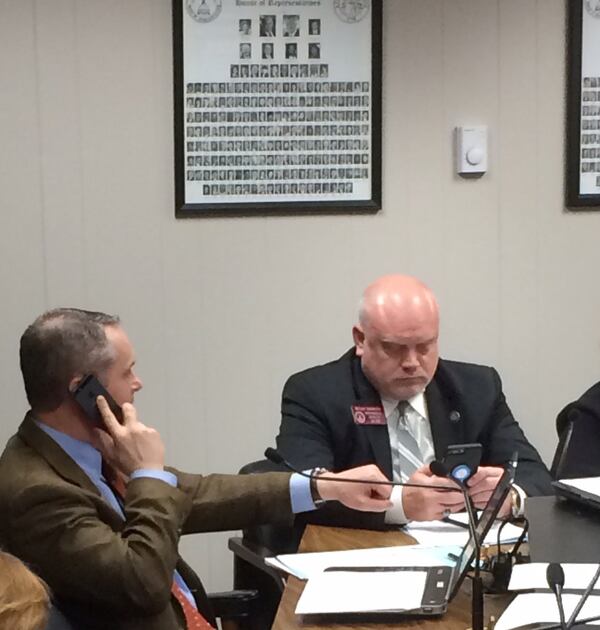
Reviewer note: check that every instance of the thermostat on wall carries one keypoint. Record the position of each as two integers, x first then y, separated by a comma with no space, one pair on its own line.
471,150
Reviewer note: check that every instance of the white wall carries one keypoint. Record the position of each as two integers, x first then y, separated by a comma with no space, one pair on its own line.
223,310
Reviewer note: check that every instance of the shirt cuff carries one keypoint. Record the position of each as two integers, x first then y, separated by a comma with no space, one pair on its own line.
395,515
161,475
300,494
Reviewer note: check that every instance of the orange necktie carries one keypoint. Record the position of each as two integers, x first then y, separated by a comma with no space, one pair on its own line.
193,619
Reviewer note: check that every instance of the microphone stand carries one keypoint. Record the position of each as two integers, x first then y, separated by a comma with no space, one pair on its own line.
555,576
476,580
437,468
583,599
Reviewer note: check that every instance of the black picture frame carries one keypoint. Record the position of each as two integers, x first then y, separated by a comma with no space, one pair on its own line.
582,166
345,189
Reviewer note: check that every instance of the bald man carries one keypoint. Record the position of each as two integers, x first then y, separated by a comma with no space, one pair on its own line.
356,409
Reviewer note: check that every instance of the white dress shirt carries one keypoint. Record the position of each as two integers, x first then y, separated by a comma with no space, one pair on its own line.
416,422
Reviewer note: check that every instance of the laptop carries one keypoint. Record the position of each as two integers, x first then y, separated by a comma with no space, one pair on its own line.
585,490
440,583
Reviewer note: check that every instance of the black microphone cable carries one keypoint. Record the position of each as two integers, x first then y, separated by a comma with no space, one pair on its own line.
274,456
501,565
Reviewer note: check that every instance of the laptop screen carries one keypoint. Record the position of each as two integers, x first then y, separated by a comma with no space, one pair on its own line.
486,520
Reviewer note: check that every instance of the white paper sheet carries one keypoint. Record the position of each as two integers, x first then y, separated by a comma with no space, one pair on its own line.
541,607
306,565
443,533
530,576
345,592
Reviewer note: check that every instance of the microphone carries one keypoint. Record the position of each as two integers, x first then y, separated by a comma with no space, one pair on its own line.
274,456
555,576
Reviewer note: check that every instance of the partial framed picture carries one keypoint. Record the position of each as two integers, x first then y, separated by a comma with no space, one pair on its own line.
277,107
583,106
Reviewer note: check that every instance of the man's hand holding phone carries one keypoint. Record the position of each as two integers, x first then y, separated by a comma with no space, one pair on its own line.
429,504
129,446
483,483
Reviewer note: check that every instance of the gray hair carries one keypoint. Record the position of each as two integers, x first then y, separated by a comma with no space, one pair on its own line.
59,345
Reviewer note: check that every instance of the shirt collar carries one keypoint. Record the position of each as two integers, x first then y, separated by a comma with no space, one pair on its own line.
417,402
83,454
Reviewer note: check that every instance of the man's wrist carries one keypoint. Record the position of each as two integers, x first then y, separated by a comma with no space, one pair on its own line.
395,515
517,501
315,493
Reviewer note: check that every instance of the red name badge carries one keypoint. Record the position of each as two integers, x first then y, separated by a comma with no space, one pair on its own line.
368,414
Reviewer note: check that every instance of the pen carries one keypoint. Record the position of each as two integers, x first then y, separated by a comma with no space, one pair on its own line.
452,521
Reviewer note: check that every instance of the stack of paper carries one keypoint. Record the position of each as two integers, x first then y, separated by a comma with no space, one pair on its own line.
526,577
355,592
542,607
444,533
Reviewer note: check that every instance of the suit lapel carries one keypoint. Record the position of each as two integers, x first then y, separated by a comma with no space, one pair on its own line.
444,413
377,435
47,448
64,466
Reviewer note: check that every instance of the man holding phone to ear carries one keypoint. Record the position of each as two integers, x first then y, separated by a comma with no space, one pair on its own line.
392,401
95,511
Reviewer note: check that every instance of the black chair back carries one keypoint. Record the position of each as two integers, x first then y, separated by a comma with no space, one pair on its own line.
277,538
249,569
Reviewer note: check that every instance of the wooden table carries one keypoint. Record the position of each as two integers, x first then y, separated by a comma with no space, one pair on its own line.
319,538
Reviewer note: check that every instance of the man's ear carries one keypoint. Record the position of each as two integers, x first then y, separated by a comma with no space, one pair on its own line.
74,382
359,339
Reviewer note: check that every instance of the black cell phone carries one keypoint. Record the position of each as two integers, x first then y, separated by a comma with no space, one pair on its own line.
85,395
462,460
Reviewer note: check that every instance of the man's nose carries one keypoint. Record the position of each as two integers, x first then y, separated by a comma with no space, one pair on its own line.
410,360
137,384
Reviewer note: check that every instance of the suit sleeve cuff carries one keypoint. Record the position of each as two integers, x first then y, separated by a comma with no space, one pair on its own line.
395,515
161,475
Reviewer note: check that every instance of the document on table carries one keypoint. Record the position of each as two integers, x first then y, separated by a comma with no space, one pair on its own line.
306,565
541,607
529,576
358,591
444,533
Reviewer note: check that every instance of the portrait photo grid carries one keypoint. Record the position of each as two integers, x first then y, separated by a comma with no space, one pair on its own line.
281,124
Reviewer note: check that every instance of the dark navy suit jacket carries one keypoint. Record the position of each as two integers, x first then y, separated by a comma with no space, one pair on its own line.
465,403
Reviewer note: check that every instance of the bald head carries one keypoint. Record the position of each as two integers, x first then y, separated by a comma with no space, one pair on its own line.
396,337
396,297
